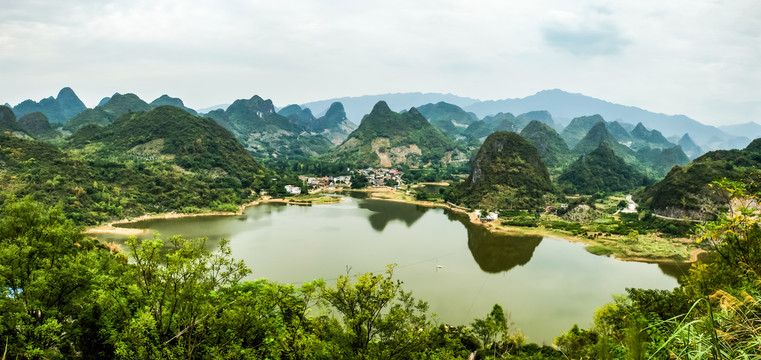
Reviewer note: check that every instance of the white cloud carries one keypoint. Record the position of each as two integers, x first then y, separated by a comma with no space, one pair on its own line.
664,56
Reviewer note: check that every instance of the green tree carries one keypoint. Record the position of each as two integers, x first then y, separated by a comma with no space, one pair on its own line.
47,272
380,320
358,181
167,302
492,326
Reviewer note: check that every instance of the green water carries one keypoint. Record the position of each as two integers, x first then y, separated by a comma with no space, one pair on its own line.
546,284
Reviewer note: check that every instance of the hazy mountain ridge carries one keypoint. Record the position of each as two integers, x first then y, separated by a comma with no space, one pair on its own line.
569,105
358,106
58,110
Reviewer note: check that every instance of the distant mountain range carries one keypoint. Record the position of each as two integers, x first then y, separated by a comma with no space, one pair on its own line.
358,106
563,106
553,104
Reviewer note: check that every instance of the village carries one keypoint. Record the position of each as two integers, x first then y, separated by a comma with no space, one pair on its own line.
375,178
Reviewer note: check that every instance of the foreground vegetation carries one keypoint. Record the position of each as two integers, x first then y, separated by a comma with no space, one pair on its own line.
64,295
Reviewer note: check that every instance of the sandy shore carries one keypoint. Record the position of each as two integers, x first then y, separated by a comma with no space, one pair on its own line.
112,228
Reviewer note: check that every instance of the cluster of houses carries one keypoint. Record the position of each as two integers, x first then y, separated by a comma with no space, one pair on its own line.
375,177
378,177
315,183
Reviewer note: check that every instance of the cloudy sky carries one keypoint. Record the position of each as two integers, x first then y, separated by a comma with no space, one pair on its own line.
699,58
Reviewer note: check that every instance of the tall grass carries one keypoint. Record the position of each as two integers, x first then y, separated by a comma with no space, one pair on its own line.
731,331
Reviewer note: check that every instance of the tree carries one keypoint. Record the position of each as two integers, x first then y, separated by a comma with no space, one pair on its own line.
358,181
380,320
491,326
168,301
48,270
735,237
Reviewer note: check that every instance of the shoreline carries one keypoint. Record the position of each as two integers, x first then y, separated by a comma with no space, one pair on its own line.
378,194
375,194
112,229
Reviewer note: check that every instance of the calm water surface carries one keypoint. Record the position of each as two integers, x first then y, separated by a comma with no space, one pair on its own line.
546,284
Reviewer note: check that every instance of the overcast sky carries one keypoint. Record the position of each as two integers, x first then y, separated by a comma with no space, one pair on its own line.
699,58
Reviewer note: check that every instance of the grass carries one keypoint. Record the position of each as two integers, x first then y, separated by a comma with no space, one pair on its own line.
600,250
314,199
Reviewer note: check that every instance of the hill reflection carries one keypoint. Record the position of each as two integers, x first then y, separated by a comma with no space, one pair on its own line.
496,253
383,212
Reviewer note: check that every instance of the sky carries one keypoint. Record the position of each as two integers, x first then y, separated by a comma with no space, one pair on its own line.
698,58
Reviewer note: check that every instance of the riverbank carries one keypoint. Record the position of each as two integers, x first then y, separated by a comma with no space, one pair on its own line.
634,247
112,228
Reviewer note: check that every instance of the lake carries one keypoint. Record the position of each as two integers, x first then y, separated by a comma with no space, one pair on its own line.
545,284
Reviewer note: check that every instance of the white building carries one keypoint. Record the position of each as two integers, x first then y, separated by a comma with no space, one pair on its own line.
295,190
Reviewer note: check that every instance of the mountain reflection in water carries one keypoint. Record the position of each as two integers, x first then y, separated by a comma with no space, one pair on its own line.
496,253
383,212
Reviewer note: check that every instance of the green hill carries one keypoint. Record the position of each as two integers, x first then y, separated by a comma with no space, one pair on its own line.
660,161
685,191
7,119
618,131
194,143
334,125
171,101
578,128
267,134
600,171
103,115
500,119
642,138
386,138
507,173
36,124
99,180
302,118
553,150
482,128
479,130
599,134
449,119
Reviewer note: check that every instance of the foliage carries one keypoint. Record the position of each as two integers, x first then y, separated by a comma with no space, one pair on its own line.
507,173
552,148
600,171
380,319
685,191
267,134
397,136
493,327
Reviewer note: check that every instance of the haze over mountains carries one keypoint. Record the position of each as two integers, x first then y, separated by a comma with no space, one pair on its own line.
470,118
563,106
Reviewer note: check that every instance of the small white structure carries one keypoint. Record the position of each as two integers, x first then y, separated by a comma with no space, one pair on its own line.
295,190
